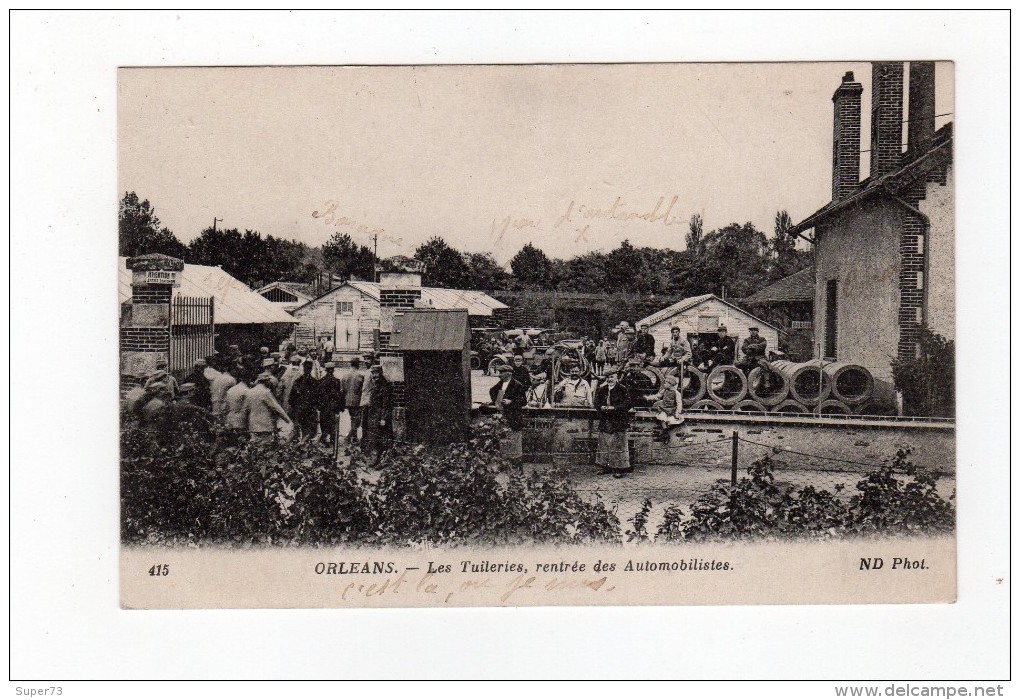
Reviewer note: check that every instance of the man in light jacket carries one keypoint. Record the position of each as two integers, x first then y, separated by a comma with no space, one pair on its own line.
263,409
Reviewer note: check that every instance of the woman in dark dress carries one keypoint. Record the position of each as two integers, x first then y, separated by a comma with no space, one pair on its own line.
613,402
509,396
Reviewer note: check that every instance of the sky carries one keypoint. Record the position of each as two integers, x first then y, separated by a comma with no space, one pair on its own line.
571,158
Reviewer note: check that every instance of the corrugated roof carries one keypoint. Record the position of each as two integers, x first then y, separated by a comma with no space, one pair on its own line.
235,302
427,329
800,286
300,289
476,303
688,304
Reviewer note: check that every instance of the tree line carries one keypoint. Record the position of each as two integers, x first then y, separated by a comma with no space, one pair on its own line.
737,256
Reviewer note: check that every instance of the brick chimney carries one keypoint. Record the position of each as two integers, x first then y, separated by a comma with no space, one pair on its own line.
397,291
886,117
921,119
846,137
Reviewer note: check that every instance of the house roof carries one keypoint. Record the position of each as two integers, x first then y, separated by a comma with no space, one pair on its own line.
427,329
691,302
476,303
800,286
235,302
913,166
303,291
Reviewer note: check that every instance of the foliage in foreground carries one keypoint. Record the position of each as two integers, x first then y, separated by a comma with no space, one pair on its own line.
175,490
758,508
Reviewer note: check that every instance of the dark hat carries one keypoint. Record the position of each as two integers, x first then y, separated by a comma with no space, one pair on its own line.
753,328
722,328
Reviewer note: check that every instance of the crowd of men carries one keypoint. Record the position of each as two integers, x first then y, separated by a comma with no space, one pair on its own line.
571,377
274,396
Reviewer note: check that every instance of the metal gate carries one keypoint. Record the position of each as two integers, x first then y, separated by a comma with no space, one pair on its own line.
192,331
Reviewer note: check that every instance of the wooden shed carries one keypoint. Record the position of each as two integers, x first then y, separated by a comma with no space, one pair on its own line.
351,315
435,347
701,316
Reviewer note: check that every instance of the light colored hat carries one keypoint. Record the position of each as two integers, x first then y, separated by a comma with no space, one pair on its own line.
187,387
264,350
268,362
295,359
265,377
329,365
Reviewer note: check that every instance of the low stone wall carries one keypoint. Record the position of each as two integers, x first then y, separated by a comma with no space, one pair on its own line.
563,436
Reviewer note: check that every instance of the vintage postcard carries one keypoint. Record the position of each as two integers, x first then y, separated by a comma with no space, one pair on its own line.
617,334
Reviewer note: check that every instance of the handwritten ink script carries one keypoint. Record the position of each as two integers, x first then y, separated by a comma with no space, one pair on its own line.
811,572
578,217
331,216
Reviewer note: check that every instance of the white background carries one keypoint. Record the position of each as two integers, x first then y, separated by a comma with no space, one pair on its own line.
65,619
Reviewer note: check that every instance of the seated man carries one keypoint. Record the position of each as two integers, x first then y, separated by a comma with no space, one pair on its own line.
537,395
722,350
668,405
753,348
573,392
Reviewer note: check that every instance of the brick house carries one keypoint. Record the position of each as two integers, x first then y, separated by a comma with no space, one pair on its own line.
884,258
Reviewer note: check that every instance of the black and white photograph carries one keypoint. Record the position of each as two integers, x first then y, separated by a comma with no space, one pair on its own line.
422,308
511,344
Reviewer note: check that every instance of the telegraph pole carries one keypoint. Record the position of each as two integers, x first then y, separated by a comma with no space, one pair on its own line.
375,257
214,223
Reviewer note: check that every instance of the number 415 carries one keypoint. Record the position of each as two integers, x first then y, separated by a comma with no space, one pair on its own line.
159,570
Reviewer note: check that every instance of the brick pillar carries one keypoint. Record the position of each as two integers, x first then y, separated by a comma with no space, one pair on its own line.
886,117
145,333
846,137
397,290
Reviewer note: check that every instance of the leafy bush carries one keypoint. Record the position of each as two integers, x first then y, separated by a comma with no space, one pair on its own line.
757,508
180,489
928,383
886,504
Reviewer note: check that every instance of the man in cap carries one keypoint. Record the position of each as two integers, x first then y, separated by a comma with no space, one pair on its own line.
352,385
303,404
330,402
722,350
219,387
235,418
290,375
263,409
378,415
573,392
644,343
753,349
202,394
538,392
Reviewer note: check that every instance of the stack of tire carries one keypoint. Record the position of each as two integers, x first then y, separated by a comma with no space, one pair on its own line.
813,387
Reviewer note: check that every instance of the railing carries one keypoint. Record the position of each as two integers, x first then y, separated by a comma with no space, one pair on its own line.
192,331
